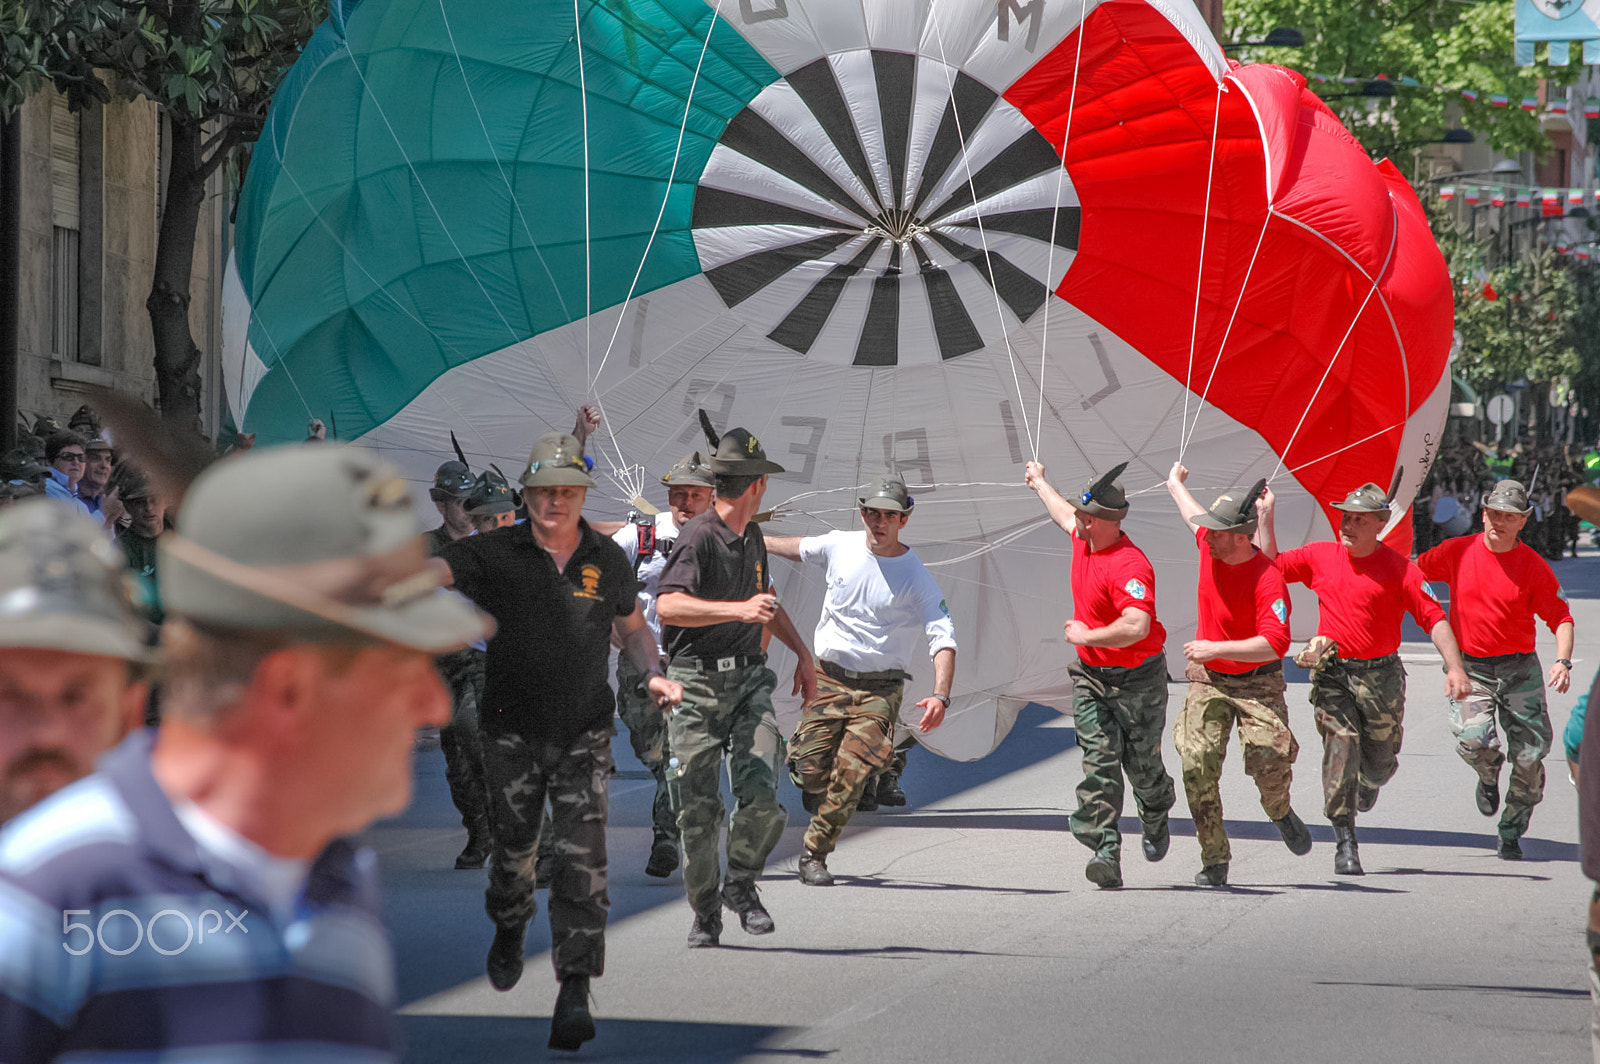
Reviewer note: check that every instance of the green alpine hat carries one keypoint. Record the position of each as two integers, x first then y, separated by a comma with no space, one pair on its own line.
888,492
1233,512
557,459
97,443
62,586
19,465
490,495
320,543
1367,499
691,469
1508,496
1104,497
453,480
736,453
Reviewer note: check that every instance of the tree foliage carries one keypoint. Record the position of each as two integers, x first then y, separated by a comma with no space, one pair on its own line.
1455,43
212,66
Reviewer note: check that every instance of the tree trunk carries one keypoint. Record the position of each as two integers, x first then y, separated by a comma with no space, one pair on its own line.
177,357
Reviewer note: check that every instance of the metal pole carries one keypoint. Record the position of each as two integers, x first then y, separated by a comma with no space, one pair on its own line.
10,269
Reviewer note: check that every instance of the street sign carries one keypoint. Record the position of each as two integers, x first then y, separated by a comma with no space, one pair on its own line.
1500,409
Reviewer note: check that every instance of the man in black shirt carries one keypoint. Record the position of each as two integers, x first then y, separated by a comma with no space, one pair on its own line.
714,598
558,591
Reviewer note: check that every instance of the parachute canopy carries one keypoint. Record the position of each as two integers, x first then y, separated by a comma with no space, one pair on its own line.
940,238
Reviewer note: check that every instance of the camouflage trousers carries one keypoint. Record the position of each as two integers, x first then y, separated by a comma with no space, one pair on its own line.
1359,706
1120,715
1214,702
462,671
1510,686
846,734
647,731
725,715
576,777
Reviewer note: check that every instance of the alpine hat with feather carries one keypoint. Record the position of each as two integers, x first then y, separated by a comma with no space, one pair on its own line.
1104,496
736,453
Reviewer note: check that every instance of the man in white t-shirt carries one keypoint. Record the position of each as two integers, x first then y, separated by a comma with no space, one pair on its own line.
647,542
881,602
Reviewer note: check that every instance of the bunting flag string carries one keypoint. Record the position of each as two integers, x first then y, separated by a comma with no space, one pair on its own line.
1552,202
1556,106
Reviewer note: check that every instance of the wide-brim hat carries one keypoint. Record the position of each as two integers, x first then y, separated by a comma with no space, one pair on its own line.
63,585
319,543
691,469
97,443
1508,496
490,495
736,453
1367,499
1233,511
1104,496
557,459
452,480
887,492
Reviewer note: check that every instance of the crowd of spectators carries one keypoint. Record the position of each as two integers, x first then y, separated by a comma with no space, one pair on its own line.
1465,470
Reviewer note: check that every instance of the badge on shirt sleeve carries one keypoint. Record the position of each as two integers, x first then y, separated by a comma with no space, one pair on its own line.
589,575
1561,593
1427,589
761,583
943,608
1280,610
1136,588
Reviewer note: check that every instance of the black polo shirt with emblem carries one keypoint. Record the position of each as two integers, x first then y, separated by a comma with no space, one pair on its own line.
711,561
548,668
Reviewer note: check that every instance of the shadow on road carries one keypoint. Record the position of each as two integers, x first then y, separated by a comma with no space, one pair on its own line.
523,1038
1521,991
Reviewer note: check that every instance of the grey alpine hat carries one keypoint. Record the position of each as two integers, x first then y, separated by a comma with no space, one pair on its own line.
887,491
19,466
490,495
1367,499
1508,496
62,584
557,459
691,469
317,542
1104,496
1233,511
736,453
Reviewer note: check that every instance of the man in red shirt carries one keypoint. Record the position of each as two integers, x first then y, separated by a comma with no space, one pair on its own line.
1119,700
1497,587
1235,674
1358,686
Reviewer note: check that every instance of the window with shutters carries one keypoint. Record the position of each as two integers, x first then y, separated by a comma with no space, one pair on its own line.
64,204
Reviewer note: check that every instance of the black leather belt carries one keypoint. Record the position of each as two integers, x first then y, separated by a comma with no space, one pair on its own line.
1263,669
728,664
839,672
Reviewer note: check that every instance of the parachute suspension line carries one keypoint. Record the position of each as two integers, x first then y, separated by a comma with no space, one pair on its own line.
636,482
666,194
1341,450
1055,216
993,544
423,188
1325,374
1200,272
588,247
983,235
472,98
1222,346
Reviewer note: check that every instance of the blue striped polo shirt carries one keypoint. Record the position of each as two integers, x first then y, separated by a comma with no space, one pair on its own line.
120,942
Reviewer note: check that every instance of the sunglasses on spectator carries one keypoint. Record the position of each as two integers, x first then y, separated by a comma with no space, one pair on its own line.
71,456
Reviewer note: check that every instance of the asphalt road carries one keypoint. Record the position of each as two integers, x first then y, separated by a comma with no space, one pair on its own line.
962,927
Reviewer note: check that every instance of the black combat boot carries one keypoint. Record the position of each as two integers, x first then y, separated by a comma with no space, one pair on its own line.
476,852
742,897
814,870
811,801
1295,834
869,796
889,792
1103,870
1366,797
1156,841
663,858
1346,858
1212,875
707,930
505,957
570,1023
1510,849
1488,797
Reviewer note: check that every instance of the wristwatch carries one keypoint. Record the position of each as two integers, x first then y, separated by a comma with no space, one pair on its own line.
1565,661
943,698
